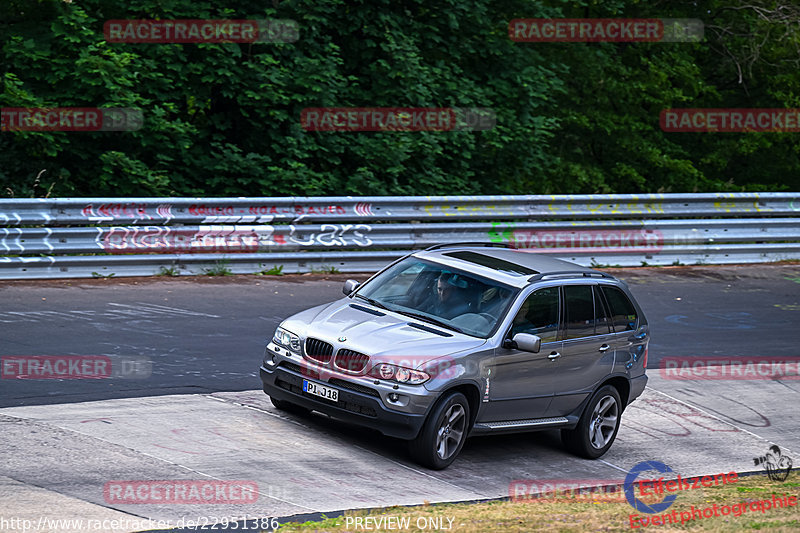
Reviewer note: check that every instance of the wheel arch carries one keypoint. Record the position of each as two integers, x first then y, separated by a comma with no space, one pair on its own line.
471,393
623,387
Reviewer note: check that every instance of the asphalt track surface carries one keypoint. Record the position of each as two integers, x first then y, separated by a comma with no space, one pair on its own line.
190,407
207,334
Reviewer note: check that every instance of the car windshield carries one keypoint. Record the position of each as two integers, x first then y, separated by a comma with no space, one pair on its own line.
440,295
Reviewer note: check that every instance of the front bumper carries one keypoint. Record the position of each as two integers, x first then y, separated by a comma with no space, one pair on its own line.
357,404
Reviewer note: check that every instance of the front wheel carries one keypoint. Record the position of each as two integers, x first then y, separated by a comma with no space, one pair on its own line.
597,428
443,434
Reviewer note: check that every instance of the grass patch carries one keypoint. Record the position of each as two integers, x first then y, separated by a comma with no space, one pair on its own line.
277,270
168,271
579,516
325,270
220,268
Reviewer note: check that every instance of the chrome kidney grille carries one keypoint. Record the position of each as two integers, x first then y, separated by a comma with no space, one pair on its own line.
319,351
348,361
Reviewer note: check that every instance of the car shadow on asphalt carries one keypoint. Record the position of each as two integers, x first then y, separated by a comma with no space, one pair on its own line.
479,457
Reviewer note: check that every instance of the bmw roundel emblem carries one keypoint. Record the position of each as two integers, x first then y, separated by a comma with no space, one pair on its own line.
342,338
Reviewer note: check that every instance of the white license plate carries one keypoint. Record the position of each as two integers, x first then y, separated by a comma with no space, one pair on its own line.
320,390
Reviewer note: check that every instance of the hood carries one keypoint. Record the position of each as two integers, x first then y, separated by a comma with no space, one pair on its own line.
385,338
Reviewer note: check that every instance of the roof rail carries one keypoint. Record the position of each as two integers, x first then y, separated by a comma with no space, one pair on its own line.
485,244
571,273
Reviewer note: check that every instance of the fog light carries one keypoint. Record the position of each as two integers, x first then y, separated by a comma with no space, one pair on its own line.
393,397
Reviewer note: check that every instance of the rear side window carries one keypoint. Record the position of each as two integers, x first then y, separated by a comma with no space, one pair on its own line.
539,315
601,320
580,311
623,314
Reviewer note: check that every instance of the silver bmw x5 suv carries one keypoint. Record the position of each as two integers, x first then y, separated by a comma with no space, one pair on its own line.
467,339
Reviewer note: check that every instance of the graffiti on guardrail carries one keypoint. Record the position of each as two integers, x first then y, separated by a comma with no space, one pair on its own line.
133,211
73,237
472,210
166,239
267,213
631,208
214,213
331,235
737,207
229,239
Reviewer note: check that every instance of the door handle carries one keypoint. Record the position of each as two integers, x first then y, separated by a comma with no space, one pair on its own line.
604,348
553,356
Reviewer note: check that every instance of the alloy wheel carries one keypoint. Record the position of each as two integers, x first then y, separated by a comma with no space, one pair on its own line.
451,431
603,422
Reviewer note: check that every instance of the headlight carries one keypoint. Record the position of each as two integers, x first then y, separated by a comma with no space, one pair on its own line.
287,339
399,374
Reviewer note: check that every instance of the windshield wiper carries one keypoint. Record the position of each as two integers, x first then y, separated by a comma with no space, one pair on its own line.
431,320
376,303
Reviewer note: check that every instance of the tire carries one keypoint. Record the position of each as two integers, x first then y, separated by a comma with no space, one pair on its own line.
289,407
443,435
589,439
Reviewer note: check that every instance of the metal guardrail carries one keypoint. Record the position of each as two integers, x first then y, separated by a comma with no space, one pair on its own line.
84,237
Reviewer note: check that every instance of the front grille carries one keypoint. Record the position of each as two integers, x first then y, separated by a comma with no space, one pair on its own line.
350,361
354,386
319,351
360,409
291,366
308,371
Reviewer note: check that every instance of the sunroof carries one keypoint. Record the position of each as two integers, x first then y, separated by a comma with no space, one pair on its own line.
492,262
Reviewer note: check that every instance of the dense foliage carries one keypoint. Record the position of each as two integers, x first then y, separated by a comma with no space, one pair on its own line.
223,119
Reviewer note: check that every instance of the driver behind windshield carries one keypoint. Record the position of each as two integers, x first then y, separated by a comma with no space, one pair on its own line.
450,299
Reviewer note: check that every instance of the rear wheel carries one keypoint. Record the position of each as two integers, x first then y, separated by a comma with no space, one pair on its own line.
443,434
597,428
289,407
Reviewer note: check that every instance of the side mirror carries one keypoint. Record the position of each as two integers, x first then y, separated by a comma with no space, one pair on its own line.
349,286
527,342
